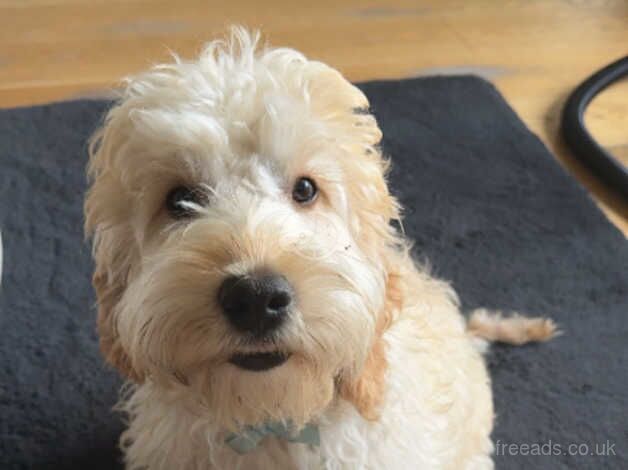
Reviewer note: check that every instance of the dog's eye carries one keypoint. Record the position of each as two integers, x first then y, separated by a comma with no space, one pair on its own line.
177,197
304,191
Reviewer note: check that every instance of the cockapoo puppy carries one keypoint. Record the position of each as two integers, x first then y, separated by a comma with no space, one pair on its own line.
252,288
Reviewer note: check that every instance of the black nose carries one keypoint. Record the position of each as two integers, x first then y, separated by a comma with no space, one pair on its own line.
256,303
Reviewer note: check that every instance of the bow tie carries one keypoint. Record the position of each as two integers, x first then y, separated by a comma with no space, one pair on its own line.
251,436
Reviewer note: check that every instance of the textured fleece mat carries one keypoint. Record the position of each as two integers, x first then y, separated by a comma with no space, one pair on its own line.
486,204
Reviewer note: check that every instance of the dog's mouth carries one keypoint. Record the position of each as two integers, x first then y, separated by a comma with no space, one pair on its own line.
260,361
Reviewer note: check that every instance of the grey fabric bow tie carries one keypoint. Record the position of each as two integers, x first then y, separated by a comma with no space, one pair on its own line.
251,436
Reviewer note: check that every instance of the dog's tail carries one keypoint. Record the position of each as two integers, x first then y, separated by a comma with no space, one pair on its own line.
515,329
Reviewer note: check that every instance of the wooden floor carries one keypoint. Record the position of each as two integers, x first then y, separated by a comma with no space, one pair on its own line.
535,51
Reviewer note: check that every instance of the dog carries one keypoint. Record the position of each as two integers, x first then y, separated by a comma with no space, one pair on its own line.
253,285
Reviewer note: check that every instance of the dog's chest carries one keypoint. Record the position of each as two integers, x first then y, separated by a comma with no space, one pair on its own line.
347,441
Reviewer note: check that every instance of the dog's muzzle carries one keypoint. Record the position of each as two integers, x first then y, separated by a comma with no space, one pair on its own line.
256,303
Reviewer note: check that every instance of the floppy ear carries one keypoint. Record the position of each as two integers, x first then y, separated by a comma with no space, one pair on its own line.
114,249
373,208
367,392
108,294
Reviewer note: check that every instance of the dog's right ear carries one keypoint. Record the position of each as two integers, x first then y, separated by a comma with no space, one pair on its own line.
108,294
114,250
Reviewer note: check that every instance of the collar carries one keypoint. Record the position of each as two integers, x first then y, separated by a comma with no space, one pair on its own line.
250,436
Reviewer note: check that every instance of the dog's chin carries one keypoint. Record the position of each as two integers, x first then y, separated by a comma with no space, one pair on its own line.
257,386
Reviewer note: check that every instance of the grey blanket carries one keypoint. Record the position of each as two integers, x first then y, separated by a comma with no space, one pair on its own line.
487,205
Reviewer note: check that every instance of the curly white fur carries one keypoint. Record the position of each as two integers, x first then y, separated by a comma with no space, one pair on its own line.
380,356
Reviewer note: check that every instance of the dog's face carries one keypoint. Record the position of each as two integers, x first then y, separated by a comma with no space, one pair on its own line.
241,224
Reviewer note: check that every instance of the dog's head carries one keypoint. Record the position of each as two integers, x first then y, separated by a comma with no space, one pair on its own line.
241,226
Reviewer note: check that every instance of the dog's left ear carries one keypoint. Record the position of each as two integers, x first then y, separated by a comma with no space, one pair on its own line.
367,391
372,210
